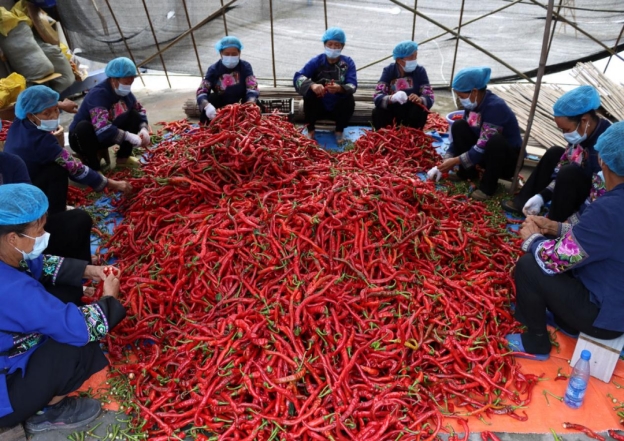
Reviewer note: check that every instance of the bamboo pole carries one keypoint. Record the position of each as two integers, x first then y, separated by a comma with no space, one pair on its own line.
614,48
476,46
414,22
554,27
185,33
123,38
272,43
224,20
188,20
538,83
461,16
162,59
325,9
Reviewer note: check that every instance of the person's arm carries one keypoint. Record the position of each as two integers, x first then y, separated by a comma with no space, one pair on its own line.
79,172
15,171
303,78
426,91
251,83
474,156
350,84
136,105
547,192
381,96
68,106
207,84
55,270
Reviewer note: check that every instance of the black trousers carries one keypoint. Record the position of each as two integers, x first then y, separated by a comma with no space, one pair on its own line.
54,369
85,142
53,180
408,114
314,110
572,186
499,159
564,295
70,234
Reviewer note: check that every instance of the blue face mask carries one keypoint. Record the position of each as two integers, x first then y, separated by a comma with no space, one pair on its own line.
575,137
48,125
332,53
123,89
230,61
467,104
41,243
410,65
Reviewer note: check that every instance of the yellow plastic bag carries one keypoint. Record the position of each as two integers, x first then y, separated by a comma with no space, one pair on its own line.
10,88
65,51
10,19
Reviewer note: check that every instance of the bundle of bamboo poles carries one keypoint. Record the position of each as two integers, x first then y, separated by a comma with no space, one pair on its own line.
611,94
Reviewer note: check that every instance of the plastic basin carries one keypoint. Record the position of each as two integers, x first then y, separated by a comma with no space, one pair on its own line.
458,114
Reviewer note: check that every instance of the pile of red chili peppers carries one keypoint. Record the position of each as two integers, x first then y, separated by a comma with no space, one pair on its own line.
277,291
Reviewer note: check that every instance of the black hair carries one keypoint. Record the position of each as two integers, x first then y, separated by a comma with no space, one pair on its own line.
577,119
19,229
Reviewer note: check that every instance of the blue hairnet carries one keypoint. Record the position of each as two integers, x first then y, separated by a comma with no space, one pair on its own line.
335,34
21,204
471,78
577,102
610,147
229,41
404,49
35,99
121,67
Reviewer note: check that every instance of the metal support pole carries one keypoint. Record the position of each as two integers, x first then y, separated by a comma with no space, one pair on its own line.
459,25
272,43
125,42
224,20
414,22
325,9
538,84
476,46
188,20
614,49
162,59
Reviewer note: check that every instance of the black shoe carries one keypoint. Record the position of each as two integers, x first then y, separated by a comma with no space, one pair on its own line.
69,413
508,206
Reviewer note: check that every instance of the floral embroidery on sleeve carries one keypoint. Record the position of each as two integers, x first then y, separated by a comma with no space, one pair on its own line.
52,266
75,168
252,87
99,119
22,343
382,90
203,90
139,108
559,255
97,325
598,188
487,131
427,92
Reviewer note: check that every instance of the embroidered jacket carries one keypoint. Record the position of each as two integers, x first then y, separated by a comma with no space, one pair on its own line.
391,82
30,315
492,116
593,249
12,169
38,149
233,85
101,106
319,71
582,154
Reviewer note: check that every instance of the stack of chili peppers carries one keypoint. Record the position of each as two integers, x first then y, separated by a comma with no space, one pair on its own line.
277,291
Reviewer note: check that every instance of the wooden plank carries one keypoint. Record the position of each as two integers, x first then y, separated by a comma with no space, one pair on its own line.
15,433
611,94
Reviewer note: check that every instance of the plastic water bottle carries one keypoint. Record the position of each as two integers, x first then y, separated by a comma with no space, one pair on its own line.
577,385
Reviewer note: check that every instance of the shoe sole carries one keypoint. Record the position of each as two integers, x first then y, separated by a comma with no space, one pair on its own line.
72,426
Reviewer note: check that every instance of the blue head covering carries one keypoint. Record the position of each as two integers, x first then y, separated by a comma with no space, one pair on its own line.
577,102
404,49
21,204
35,99
121,67
227,42
335,34
610,147
471,78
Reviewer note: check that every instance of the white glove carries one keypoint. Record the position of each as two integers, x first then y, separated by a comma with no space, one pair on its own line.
133,139
210,111
399,97
145,136
434,174
533,205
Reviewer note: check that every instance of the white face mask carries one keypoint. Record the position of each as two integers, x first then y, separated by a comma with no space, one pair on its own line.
332,53
575,138
467,104
123,89
230,61
48,125
410,65
41,243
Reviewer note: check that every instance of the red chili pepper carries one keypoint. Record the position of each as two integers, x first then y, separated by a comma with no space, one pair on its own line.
590,433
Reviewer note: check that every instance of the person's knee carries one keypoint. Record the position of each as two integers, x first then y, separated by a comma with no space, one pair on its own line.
553,154
570,174
525,267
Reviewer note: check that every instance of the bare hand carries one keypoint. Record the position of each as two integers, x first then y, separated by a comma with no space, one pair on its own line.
545,225
414,98
111,285
99,273
448,164
334,88
319,90
529,228
123,186
68,106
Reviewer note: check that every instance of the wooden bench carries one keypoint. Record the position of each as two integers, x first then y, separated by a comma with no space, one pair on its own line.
604,355
13,433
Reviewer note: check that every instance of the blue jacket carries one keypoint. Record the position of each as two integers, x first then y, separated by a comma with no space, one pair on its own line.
12,170
593,250
233,85
101,106
393,81
30,315
38,148
492,116
319,71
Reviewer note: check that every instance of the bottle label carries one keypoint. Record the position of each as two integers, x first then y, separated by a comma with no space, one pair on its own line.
576,389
